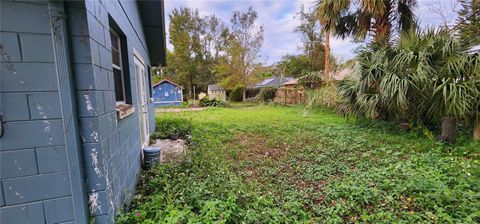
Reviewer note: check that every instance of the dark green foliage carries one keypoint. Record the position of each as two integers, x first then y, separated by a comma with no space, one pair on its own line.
266,94
164,127
297,65
424,77
469,22
207,102
236,94
311,80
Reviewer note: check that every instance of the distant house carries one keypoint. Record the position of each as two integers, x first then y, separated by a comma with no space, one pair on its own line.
167,93
272,82
75,107
217,92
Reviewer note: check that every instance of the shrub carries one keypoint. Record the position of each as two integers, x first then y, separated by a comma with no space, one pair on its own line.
266,94
236,94
311,80
207,102
425,76
164,127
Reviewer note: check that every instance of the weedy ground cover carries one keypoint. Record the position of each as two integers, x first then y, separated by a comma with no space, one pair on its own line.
269,164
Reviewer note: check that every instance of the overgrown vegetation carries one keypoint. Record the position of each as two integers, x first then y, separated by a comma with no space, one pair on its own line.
164,127
284,165
266,94
425,77
207,102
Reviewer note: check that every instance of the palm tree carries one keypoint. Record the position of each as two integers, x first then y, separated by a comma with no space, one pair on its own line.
427,76
376,17
328,12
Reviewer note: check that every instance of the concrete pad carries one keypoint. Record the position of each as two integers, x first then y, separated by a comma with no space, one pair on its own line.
171,150
178,110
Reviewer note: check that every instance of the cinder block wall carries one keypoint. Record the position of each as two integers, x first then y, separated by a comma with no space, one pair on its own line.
111,147
34,174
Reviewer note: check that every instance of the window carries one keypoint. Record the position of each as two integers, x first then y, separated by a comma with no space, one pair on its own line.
121,75
118,73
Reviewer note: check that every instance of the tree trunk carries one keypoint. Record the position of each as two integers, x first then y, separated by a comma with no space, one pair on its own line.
383,26
244,94
449,129
476,130
327,56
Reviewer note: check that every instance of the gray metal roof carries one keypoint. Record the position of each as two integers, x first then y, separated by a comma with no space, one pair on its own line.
215,87
273,82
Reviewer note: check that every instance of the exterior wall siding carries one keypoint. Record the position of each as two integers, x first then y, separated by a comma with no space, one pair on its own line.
112,147
217,94
167,94
35,183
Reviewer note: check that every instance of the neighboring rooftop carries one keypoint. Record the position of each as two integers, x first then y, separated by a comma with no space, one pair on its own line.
291,82
215,87
167,80
272,82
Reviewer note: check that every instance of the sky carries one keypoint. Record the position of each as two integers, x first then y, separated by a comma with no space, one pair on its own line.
280,18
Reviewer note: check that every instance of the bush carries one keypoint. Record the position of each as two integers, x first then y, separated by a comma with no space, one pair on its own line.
207,102
236,95
311,80
164,127
266,94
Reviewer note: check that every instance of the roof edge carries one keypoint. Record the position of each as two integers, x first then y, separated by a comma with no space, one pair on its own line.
167,80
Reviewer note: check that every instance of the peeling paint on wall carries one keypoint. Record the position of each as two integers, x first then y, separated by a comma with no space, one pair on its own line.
89,104
93,202
95,136
47,123
94,157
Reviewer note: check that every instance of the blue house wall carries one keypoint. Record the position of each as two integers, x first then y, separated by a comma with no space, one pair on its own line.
35,176
38,180
167,94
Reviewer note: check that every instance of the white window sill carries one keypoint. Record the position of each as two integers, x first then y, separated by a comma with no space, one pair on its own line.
124,110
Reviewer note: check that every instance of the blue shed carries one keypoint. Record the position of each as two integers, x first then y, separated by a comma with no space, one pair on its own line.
167,93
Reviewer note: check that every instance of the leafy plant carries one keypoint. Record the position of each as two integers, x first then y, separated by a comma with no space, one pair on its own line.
266,94
164,127
236,94
425,77
207,102
311,80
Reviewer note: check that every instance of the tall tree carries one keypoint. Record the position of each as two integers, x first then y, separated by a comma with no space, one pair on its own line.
469,21
244,43
328,13
294,65
312,38
185,29
198,43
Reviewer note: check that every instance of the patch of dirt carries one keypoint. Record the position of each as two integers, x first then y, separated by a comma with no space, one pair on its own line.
259,151
256,146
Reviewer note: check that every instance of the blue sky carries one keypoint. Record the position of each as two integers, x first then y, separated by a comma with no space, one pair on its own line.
279,18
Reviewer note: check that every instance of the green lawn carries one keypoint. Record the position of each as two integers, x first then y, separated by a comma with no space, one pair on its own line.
281,165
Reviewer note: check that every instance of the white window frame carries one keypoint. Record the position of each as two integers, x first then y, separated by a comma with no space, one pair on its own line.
120,67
